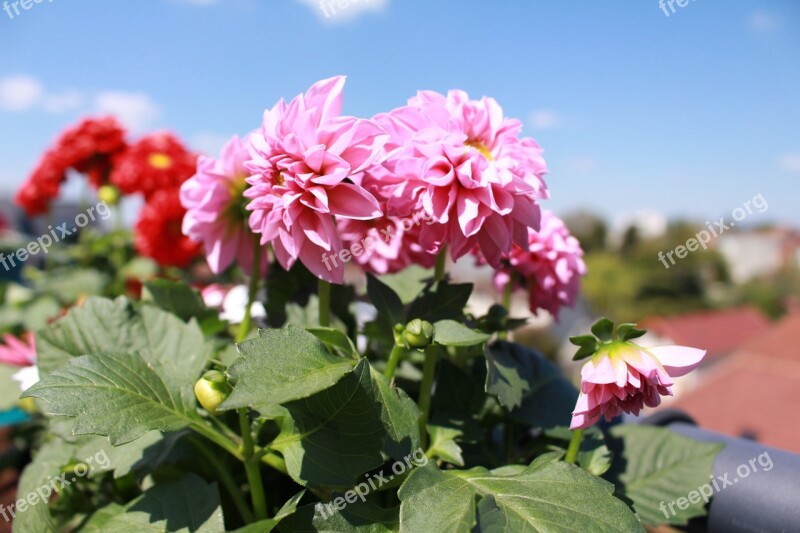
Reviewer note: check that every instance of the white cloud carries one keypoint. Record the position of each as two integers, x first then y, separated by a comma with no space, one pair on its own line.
763,22
338,11
209,143
790,162
26,93
20,93
136,110
545,119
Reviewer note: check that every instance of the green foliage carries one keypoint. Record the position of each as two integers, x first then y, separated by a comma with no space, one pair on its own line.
656,465
548,495
310,407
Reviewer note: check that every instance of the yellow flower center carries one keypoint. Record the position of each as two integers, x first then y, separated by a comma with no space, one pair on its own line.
479,146
159,161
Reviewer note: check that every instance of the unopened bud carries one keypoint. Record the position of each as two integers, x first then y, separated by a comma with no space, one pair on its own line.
418,334
211,390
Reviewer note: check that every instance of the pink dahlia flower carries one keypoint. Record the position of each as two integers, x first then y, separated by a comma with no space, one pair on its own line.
216,215
463,163
18,352
549,267
624,377
386,245
306,163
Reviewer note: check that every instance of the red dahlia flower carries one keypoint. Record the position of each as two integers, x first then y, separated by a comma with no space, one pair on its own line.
155,162
158,231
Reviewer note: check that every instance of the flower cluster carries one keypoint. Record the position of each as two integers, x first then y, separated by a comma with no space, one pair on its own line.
549,266
89,147
316,183
154,166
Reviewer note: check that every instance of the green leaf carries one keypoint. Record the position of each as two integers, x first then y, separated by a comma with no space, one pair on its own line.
655,465
188,505
358,517
583,340
9,389
265,526
452,333
184,301
628,331
335,340
440,301
443,444
98,326
593,456
385,300
46,465
584,352
177,349
603,329
282,365
549,495
400,417
334,436
551,397
178,298
510,373
122,396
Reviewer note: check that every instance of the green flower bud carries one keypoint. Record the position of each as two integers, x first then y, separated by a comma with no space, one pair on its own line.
495,320
108,194
418,334
211,390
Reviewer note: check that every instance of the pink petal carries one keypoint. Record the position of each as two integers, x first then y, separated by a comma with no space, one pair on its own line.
678,360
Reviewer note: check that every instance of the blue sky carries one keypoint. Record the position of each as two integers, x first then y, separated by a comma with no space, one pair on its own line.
691,114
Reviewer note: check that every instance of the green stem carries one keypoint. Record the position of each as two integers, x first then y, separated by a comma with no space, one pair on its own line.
441,260
394,359
506,302
218,439
255,277
574,446
324,303
275,461
252,468
426,389
227,480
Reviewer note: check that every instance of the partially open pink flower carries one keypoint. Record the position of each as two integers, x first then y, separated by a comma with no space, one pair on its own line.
18,352
306,158
216,215
549,267
625,377
463,163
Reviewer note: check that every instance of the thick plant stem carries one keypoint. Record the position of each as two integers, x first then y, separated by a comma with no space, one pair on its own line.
574,446
441,260
225,478
425,392
394,359
324,303
252,468
255,278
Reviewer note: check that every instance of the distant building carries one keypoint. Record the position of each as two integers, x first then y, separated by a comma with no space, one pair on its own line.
753,392
720,332
757,253
647,225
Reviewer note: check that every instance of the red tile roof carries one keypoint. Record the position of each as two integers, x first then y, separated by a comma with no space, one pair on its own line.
754,392
718,332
